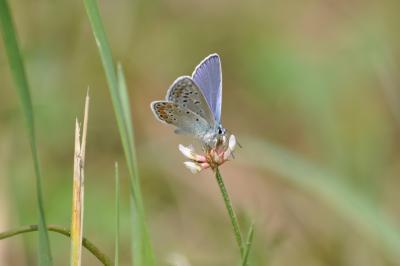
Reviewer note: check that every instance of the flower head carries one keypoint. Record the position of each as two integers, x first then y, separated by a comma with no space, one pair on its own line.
212,158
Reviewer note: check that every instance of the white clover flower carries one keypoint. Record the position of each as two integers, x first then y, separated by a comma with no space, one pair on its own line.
212,158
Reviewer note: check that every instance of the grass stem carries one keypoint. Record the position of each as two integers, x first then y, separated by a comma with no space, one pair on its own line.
61,230
78,189
142,250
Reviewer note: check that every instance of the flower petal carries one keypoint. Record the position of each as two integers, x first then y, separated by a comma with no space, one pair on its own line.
232,142
227,154
193,167
186,151
204,165
189,153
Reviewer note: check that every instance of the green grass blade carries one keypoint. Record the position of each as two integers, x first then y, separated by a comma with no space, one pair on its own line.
364,214
124,98
142,249
117,197
249,242
22,87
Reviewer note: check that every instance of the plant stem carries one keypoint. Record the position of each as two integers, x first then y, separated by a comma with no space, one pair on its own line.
231,212
78,189
61,230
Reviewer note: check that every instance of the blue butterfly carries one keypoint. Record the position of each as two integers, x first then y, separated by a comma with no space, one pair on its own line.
193,104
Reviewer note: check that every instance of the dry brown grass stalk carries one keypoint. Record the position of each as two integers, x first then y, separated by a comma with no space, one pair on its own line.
78,189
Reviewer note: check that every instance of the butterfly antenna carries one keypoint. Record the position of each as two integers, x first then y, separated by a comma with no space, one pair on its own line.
240,145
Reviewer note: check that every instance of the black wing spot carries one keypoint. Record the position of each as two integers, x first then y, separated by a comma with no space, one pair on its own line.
197,119
187,112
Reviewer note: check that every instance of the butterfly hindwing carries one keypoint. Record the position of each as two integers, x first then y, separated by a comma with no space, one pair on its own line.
184,119
187,94
208,77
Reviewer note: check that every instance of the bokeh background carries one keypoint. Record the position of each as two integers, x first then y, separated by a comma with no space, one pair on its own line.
316,78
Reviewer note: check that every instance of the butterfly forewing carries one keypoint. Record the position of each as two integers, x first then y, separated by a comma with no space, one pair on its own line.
187,94
208,77
184,119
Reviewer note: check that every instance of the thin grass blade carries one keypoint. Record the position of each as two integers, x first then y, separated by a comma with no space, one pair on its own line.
249,242
22,88
124,98
142,249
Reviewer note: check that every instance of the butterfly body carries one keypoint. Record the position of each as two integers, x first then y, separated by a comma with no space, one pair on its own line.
193,104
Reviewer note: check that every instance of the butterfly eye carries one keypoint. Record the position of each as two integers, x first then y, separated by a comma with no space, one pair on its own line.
220,131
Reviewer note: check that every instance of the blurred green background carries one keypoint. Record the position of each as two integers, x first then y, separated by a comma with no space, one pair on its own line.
318,78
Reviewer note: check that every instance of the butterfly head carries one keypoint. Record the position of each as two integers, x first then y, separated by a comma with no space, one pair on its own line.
215,139
221,131
220,137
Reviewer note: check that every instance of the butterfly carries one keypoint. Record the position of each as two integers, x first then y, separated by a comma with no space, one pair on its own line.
193,104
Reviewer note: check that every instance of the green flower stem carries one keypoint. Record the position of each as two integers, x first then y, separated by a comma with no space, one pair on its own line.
231,212
58,229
